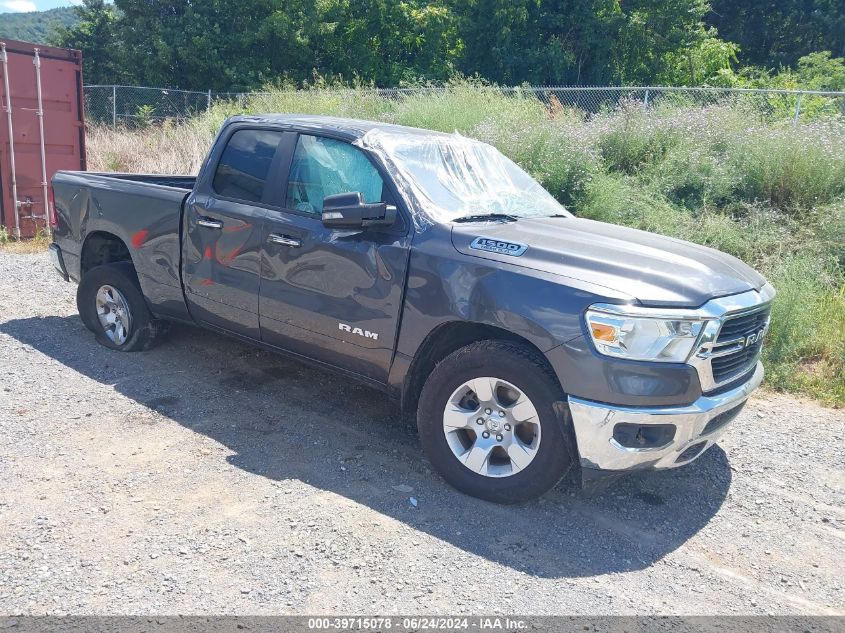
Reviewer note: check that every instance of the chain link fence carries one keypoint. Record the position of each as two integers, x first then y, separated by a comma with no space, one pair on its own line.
795,104
138,105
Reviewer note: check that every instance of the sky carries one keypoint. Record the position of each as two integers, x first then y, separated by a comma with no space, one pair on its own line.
18,6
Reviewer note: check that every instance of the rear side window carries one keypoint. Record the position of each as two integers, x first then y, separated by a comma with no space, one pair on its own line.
323,167
245,164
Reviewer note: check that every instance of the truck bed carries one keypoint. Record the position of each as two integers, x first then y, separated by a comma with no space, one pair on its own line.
164,180
143,210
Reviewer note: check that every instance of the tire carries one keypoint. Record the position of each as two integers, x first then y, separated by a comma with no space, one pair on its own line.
134,328
529,454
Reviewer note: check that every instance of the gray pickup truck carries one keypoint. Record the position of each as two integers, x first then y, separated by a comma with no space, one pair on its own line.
526,341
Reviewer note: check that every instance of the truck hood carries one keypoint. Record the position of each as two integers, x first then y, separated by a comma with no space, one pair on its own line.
655,270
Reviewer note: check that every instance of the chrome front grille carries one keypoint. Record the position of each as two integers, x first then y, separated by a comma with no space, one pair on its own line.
725,353
738,344
743,325
735,365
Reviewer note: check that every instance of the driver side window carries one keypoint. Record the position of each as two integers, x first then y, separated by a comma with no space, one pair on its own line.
323,167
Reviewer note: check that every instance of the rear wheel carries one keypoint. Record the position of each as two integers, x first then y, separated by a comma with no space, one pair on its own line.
111,305
487,422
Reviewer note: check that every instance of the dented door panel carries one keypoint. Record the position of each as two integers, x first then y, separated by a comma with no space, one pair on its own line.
221,263
335,298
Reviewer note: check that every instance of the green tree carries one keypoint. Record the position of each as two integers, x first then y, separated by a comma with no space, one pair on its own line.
775,34
387,42
97,34
706,62
213,44
225,45
590,41
665,41
816,71
821,71
40,27
540,41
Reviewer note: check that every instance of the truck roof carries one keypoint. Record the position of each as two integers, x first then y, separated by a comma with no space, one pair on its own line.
349,129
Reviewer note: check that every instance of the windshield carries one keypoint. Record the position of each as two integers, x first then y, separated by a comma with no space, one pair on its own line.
449,176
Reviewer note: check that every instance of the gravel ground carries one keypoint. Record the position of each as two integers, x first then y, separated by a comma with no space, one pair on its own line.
207,476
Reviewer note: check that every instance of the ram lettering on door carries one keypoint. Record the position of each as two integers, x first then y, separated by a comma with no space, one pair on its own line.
356,330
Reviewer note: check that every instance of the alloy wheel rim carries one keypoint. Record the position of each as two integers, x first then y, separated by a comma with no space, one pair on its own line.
492,427
113,313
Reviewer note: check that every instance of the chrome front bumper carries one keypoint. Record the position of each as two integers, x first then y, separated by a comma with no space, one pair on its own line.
595,424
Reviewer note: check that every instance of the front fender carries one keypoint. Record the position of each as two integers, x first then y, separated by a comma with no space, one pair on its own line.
530,304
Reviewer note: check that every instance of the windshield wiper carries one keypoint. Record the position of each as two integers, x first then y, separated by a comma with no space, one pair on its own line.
487,217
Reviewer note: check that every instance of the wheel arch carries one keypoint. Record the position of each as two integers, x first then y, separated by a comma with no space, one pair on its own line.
103,247
447,338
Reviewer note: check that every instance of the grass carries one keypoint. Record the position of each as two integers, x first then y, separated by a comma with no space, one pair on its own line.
9,244
159,149
721,175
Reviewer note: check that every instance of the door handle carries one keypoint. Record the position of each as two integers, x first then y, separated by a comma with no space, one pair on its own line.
284,240
209,223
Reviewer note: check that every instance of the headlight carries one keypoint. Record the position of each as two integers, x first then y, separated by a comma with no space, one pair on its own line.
644,333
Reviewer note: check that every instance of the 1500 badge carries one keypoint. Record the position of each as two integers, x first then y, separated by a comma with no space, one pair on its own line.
513,249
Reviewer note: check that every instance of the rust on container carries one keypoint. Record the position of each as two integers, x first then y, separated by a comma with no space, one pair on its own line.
42,129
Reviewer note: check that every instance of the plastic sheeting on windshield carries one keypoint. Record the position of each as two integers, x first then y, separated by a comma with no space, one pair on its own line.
448,176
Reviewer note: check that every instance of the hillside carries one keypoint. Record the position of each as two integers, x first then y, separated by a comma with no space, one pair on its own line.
37,26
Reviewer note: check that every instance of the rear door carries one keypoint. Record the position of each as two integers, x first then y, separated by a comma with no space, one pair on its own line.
222,228
328,294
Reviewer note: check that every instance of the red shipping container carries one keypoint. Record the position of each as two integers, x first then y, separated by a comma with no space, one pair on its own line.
23,66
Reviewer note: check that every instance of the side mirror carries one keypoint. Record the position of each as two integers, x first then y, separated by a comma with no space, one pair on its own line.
349,211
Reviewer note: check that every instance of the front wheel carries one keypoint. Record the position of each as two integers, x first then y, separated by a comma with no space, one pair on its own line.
488,424
111,305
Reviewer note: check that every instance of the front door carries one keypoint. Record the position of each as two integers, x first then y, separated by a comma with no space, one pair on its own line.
223,231
333,295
